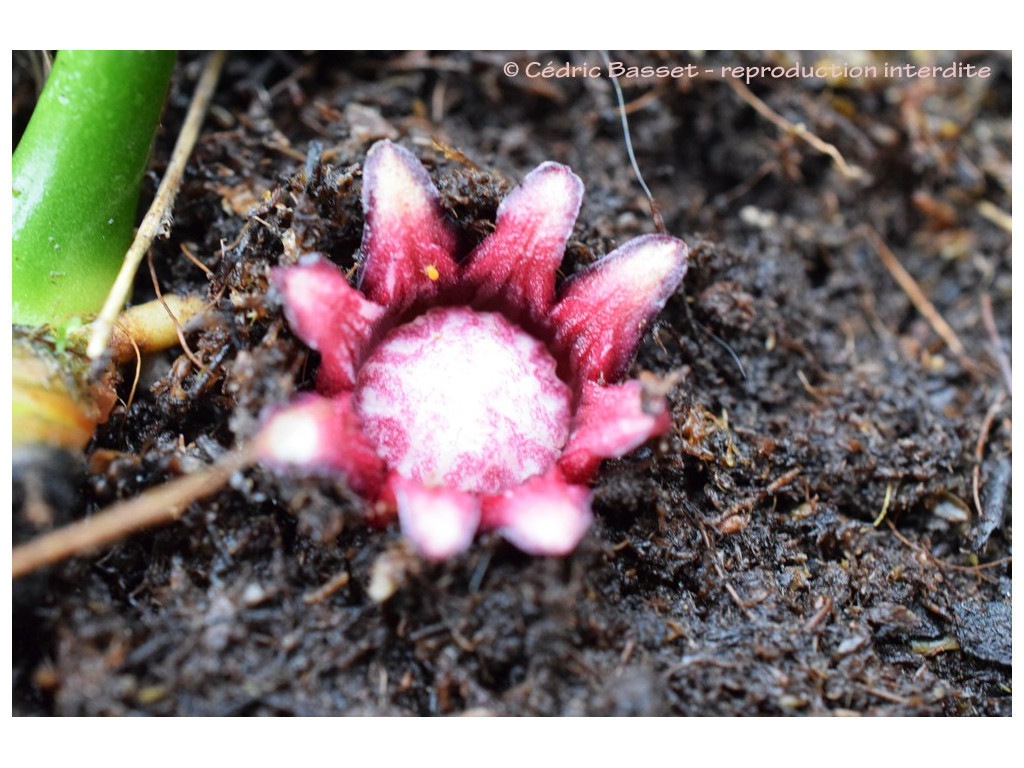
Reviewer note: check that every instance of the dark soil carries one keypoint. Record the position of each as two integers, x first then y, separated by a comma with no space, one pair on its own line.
735,571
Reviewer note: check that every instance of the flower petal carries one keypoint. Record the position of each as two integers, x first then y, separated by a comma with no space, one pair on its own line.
543,516
440,521
329,315
408,245
325,434
518,261
610,422
605,309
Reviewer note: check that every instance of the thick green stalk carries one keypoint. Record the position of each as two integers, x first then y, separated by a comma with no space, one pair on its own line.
77,173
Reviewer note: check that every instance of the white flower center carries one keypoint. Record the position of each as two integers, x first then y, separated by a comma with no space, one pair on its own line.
465,400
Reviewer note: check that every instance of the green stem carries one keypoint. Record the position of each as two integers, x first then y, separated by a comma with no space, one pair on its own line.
77,173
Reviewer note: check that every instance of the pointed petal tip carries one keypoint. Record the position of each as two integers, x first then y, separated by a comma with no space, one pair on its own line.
328,314
550,187
543,516
291,436
306,288
385,157
610,422
385,147
605,309
282,276
316,433
440,522
408,245
516,265
657,264
396,171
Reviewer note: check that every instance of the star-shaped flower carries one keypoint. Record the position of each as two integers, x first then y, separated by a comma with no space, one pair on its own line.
468,396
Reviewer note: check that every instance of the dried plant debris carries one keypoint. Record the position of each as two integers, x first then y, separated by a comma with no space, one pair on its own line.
805,538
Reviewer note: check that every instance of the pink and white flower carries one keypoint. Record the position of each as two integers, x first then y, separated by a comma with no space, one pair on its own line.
469,396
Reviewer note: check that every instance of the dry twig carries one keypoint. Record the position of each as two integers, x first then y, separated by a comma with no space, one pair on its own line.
163,202
942,564
174,320
158,506
979,453
988,317
917,297
191,257
138,374
851,172
333,584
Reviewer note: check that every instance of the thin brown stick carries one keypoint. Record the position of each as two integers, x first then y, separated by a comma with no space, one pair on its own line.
942,563
731,591
191,257
174,321
851,172
821,615
224,248
739,601
812,390
917,297
138,374
158,506
160,210
750,502
642,101
989,318
979,453
335,583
